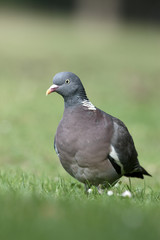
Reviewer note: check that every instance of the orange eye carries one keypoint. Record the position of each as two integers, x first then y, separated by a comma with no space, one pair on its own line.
67,81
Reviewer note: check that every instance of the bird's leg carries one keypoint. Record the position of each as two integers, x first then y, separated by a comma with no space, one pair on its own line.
100,189
86,188
130,184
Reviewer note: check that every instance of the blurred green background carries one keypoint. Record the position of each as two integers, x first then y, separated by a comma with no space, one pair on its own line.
119,65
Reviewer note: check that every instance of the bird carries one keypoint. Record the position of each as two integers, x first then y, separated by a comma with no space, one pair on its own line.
93,146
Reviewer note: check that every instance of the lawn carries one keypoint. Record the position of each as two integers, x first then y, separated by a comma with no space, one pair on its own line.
120,68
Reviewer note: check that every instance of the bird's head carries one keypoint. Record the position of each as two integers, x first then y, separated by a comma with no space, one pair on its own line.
69,86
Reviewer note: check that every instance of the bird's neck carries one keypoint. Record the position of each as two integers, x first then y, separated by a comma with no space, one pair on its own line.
78,101
74,100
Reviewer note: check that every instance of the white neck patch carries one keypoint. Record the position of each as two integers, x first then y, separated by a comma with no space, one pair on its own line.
88,104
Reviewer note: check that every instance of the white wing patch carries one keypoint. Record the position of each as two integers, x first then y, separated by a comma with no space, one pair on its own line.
114,155
56,150
88,104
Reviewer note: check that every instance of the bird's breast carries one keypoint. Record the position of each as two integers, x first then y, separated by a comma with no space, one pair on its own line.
83,139
83,143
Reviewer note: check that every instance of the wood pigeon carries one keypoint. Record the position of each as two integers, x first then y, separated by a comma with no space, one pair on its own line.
93,146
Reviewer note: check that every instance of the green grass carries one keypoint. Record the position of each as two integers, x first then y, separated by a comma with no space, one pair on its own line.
120,68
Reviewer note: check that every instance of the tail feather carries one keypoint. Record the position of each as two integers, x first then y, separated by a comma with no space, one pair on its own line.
145,172
138,174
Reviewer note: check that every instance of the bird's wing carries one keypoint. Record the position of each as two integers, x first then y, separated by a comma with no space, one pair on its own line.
55,147
123,151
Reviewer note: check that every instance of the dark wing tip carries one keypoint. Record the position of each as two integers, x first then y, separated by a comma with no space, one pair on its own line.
134,174
145,172
138,174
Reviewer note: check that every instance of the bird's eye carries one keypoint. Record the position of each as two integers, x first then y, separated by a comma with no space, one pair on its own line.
67,81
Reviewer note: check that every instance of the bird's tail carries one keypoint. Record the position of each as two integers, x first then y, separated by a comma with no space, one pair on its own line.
138,173
144,172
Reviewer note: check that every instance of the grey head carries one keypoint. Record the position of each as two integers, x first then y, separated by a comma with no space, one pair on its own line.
70,87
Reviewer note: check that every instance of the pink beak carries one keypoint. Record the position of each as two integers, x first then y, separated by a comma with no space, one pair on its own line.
51,89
